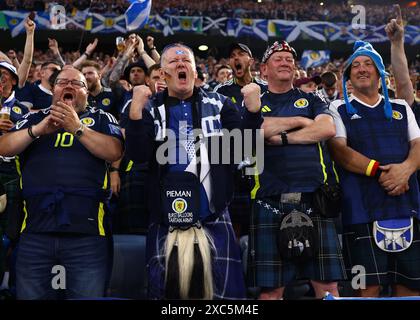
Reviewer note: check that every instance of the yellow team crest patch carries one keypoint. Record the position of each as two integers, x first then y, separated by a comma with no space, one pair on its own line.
17,110
301,103
397,115
179,205
88,121
106,102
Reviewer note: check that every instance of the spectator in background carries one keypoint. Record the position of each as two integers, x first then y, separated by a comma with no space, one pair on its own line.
155,79
240,60
329,85
417,95
307,84
38,95
100,97
128,178
200,81
11,111
223,73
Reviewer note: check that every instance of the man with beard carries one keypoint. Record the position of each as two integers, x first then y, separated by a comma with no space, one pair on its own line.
240,60
63,154
99,97
128,178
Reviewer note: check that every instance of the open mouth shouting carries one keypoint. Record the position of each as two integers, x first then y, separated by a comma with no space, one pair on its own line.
68,98
238,68
182,76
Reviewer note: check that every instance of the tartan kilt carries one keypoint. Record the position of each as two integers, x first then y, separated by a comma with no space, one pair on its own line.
382,268
228,274
11,186
132,214
266,268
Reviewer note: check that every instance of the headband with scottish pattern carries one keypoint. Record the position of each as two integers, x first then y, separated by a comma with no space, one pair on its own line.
275,47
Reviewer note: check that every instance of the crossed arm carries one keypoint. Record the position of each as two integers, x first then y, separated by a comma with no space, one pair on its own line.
306,131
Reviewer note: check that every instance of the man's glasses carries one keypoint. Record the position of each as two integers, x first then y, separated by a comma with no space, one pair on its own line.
74,83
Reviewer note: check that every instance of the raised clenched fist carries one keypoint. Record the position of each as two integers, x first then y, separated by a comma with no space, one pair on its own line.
251,93
141,95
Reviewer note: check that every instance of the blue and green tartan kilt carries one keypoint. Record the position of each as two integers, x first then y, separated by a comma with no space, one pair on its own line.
266,269
382,268
228,274
132,214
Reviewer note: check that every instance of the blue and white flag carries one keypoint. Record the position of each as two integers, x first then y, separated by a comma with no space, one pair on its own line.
15,21
287,30
311,58
137,14
186,24
247,27
107,23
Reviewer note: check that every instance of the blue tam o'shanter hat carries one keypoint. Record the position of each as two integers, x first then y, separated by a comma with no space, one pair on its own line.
363,48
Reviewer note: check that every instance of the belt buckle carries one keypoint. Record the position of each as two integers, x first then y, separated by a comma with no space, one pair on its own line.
291,198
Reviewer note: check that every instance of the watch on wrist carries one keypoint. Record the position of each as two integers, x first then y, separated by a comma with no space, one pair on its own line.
79,132
284,140
113,169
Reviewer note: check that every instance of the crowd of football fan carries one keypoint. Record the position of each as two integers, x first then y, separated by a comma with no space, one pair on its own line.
111,81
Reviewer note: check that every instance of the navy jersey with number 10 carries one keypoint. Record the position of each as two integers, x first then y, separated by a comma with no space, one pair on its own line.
64,185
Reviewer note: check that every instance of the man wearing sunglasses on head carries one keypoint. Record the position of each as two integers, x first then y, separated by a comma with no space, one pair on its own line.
63,153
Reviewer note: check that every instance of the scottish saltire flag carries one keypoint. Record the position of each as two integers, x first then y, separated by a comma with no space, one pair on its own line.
247,27
186,24
218,24
154,24
319,30
374,34
79,19
311,58
15,21
283,29
158,23
137,14
107,23
412,34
